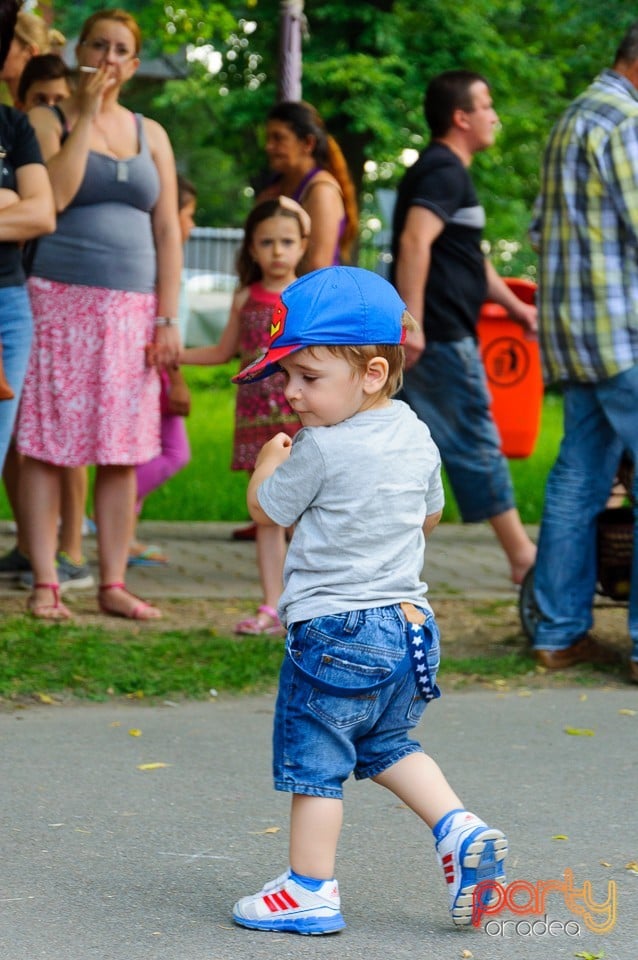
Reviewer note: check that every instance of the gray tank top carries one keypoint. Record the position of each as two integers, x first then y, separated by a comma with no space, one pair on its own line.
104,237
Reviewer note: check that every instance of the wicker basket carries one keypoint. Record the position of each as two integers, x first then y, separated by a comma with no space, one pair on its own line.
615,549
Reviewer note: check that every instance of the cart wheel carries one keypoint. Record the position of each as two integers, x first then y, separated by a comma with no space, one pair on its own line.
527,606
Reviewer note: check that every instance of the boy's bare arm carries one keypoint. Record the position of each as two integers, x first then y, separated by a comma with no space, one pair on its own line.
431,522
273,453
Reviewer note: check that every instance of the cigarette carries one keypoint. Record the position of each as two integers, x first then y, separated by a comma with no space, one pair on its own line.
87,69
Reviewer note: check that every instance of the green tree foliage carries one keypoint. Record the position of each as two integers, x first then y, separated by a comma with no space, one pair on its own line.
366,66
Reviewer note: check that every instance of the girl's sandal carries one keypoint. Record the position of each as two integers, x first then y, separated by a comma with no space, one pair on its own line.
139,611
48,611
265,621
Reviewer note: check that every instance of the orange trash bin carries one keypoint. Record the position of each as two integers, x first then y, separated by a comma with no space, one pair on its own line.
513,368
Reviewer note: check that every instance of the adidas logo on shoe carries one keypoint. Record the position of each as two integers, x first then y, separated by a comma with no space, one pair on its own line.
285,906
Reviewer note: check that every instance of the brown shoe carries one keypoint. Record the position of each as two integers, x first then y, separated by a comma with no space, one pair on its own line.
584,650
633,671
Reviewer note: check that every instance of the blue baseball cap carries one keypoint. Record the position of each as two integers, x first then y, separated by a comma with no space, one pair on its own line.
329,307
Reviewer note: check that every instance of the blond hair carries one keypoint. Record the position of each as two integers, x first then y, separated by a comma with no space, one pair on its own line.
358,357
33,32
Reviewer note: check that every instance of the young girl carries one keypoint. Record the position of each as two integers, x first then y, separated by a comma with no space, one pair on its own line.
275,240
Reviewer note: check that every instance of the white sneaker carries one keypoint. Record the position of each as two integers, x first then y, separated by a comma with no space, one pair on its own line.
472,857
284,905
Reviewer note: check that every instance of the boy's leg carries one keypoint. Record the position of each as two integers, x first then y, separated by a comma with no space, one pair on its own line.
305,899
315,826
419,782
471,853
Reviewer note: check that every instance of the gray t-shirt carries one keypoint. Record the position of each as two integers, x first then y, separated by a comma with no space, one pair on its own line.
358,493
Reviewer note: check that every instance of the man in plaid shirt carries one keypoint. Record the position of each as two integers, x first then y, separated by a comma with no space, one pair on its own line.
587,232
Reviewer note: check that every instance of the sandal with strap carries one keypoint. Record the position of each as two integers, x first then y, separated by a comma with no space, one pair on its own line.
48,611
254,626
141,611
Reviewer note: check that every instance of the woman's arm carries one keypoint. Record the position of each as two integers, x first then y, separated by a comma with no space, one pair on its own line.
66,162
34,213
168,242
324,204
228,346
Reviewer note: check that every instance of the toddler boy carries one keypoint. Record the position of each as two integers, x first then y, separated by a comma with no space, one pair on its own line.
361,483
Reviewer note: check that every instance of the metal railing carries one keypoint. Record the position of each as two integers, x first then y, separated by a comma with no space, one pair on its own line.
212,250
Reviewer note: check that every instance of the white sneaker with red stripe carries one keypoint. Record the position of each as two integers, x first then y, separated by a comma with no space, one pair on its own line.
472,856
283,905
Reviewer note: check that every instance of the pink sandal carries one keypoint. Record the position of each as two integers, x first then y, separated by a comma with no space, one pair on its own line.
141,611
254,626
48,611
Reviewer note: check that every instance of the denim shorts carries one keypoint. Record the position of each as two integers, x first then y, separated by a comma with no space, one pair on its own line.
447,389
321,738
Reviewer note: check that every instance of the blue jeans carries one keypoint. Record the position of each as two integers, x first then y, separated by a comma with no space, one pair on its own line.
320,738
16,331
447,389
601,420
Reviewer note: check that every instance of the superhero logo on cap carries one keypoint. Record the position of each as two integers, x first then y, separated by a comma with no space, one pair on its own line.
278,322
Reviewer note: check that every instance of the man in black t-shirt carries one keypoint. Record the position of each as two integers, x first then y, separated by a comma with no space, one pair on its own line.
441,273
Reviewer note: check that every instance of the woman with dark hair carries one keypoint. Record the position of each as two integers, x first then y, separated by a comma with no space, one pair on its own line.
26,211
311,169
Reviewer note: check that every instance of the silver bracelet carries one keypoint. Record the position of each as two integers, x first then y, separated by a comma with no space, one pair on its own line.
166,321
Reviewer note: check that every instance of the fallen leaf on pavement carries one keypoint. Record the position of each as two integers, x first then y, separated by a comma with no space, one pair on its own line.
258,833
579,732
560,836
152,766
134,732
44,698
626,712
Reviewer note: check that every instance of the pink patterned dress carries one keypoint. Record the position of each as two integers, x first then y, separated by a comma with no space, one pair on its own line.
89,397
261,410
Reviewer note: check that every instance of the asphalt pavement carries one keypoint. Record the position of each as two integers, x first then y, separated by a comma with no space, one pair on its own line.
128,830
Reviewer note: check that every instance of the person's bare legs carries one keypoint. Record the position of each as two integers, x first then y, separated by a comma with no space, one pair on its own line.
315,826
40,508
114,497
512,536
419,782
75,482
11,479
315,822
271,555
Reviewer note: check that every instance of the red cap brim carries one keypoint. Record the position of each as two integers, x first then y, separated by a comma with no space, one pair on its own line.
266,365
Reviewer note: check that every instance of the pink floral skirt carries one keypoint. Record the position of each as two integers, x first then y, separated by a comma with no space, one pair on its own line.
88,395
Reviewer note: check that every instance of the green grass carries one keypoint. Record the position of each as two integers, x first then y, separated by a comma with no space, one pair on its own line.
92,663
207,490
58,662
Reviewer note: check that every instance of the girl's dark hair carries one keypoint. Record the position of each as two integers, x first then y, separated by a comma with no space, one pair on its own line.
304,121
446,93
247,270
185,191
8,16
44,66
